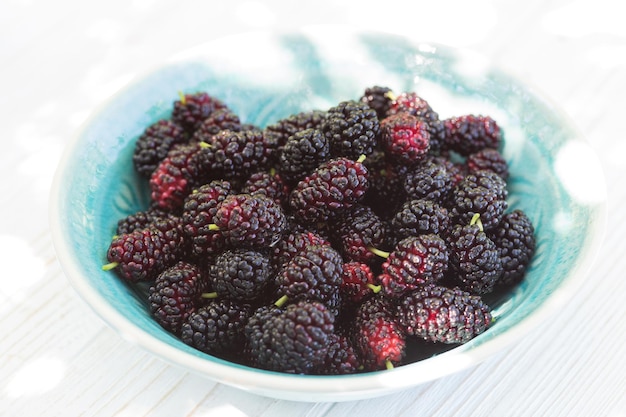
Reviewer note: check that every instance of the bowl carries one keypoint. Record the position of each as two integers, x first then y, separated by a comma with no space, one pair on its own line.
555,178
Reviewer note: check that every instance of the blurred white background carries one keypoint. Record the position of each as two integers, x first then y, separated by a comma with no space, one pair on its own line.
60,59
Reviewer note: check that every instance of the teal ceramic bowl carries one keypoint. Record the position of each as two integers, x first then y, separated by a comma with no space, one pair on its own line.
555,178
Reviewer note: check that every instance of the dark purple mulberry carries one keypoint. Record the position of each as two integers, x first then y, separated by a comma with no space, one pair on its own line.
294,340
140,220
444,315
412,103
483,193
341,358
315,274
247,220
177,175
236,155
192,109
378,338
474,259
198,212
220,119
415,261
154,144
144,253
489,159
358,230
175,294
253,332
285,128
515,239
240,274
295,243
470,133
330,190
405,138
417,217
352,128
430,181
302,153
269,184
357,283
217,327
378,99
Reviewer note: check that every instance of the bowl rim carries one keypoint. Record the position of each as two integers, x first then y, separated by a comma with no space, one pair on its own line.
316,387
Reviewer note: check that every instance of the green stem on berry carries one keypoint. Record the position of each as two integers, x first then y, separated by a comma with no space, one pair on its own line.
183,99
476,221
378,252
204,145
375,288
209,295
272,171
214,227
388,364
361,159
110,266
390,95
281,301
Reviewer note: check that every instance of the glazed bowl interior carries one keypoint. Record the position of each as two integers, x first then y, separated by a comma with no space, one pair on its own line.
266,76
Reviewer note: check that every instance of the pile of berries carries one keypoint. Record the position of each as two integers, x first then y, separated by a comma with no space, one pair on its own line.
330,242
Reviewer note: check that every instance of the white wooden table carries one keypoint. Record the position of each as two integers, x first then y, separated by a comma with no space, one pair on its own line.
58,60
